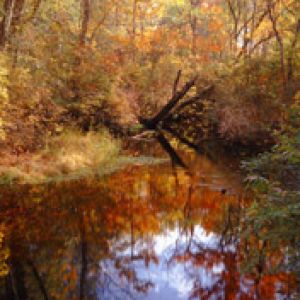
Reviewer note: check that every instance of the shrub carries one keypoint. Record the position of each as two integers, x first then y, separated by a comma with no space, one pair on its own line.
273,217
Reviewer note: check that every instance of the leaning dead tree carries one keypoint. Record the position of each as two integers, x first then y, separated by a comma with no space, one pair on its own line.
176,104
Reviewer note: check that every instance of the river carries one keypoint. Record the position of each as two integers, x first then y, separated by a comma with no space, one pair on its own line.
168,230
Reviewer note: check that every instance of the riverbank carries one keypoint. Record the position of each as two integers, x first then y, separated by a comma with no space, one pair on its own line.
70,154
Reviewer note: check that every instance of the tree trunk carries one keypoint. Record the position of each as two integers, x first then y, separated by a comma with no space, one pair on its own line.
85,21
133,29
6,22
290,70
272,18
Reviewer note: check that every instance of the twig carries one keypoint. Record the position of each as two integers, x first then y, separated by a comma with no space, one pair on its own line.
176,82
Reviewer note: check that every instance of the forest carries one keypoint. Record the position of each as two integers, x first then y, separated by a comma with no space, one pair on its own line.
186,112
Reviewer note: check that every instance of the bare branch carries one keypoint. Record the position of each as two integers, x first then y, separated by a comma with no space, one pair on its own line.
202,95
152,123
261,41
176,82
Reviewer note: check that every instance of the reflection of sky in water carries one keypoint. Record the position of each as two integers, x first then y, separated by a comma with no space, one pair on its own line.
171,281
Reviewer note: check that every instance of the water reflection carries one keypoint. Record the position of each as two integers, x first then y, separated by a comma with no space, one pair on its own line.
147,232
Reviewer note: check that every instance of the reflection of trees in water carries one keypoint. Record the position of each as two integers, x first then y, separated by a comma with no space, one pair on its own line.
212,266
215,267
57,236
83,240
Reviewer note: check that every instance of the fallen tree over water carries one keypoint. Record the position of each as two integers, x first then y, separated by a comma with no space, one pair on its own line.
205,109
173,114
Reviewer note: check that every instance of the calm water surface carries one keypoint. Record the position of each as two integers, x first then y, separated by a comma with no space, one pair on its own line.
145,232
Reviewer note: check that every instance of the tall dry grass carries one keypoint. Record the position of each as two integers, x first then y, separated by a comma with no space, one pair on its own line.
72,152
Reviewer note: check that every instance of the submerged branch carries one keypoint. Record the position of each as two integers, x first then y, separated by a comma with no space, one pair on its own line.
175,158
